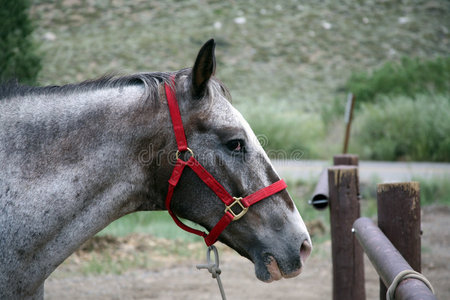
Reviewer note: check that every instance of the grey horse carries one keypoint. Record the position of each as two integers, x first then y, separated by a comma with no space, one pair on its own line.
74,158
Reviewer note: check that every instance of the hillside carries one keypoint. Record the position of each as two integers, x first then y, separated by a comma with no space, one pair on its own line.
290,57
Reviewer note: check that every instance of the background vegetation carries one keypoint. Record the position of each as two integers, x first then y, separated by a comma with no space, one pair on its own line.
402,128
408,77
18,57
291,62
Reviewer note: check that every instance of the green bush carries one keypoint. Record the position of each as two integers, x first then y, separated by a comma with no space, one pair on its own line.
400,128
18,59
284,130
434,190
407,77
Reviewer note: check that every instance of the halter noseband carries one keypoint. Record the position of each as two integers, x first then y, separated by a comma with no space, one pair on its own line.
231,203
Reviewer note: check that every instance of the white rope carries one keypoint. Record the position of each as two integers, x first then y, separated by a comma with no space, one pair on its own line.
390,295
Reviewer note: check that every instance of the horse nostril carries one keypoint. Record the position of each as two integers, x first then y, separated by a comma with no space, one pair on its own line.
305,251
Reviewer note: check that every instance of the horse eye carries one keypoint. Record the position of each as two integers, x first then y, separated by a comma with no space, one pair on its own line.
235,145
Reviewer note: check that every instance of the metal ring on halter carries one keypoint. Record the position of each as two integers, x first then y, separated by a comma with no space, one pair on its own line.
177,155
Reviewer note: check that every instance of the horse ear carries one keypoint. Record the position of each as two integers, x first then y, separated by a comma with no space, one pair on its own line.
204,68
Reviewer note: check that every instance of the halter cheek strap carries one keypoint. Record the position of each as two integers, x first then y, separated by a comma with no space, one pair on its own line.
235,207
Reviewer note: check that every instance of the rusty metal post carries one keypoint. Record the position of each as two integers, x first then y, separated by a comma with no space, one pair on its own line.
399,220
388,261
347,254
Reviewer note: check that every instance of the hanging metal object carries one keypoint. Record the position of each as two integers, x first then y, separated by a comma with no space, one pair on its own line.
213,267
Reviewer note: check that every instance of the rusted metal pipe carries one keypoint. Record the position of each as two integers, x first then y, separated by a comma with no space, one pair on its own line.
388,261
319,199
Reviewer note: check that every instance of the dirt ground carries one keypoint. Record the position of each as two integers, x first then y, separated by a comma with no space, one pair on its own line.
181,280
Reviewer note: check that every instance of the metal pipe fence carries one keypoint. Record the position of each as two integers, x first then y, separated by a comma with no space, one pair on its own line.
394,245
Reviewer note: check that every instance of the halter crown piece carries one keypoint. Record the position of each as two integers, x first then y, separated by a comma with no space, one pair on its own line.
231,203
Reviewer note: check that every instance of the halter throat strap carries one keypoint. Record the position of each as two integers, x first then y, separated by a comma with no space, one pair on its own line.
235,207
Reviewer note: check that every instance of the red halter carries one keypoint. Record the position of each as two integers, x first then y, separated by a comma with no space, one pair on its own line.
230,202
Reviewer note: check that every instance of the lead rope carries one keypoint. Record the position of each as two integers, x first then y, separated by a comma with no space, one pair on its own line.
405,274
213,268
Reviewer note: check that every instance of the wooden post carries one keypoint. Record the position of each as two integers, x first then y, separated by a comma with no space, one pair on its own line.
347,254
399,220
345,159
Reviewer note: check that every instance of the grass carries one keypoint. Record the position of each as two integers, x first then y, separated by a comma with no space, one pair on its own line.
155,223
401,128
107,254
104,263
434,191
408,77
285,131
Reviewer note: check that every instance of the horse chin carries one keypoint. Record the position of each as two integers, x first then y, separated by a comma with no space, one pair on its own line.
267,270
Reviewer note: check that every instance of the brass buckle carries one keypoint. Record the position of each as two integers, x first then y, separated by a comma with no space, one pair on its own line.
237,216
177,155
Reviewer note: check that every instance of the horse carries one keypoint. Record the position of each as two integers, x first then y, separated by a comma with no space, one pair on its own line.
76,157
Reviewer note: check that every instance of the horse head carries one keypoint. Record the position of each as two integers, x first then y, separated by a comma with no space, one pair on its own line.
272,233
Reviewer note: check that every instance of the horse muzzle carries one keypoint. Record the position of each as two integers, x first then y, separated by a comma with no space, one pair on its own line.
274,266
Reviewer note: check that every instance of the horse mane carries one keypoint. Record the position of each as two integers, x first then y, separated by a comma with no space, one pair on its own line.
151,81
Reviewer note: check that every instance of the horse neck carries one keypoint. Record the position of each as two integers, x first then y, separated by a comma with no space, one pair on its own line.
98,130
71,167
